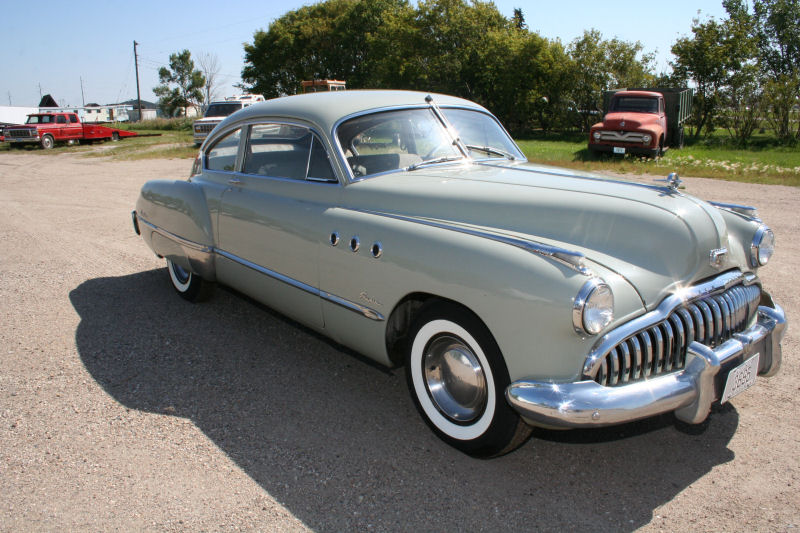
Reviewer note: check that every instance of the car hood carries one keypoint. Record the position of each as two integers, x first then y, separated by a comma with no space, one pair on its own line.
656,238
632,120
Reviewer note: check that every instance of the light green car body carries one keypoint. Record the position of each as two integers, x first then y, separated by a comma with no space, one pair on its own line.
484,234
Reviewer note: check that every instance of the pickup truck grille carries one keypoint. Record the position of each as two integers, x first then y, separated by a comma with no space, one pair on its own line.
205,128
621,136
662,347
21,134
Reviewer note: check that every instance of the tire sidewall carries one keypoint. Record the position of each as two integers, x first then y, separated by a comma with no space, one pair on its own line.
492,432
182,287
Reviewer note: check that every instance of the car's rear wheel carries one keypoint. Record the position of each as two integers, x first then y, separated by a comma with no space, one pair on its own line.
457,378
189,285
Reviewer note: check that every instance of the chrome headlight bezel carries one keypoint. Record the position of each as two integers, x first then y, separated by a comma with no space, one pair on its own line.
646,138
597,134
762,247
593,307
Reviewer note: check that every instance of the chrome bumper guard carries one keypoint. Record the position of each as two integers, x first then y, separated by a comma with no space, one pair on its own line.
689,392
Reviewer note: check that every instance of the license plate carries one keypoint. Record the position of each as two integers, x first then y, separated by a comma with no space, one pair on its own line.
619,149
741,378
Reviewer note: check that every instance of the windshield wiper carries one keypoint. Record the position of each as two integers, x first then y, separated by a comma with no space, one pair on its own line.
492,151
435,160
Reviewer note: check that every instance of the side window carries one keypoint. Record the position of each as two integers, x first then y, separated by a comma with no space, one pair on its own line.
319,166
278,150
222,156
73,119
61,119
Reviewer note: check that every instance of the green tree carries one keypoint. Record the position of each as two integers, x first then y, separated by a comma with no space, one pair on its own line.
328,40
600,65
777,29
181,85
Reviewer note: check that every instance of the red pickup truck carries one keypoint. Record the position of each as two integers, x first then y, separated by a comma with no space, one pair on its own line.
46,129
642,121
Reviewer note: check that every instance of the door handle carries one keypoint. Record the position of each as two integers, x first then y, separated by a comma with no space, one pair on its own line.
234,181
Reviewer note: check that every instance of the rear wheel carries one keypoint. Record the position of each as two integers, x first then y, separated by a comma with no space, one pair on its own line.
190,286
457,378
47,142
115,136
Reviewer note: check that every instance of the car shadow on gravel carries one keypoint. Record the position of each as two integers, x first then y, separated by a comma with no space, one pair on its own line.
337,440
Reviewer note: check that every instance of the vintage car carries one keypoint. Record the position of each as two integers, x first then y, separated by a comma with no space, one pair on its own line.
410,228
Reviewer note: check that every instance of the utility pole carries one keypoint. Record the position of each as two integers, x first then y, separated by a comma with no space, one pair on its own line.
9,98
83,99
40,92
138,96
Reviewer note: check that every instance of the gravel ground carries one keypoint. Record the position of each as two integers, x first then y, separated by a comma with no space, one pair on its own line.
122,407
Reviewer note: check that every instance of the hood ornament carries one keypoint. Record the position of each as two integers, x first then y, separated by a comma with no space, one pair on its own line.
717,257
673,181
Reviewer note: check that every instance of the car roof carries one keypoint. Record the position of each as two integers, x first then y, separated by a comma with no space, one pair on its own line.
637,93
325,109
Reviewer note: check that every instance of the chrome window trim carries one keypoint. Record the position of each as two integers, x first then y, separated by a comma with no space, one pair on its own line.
665,308
245,138
569,258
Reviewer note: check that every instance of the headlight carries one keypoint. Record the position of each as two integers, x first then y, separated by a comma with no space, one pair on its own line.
593,308
646,139
597,135
763,247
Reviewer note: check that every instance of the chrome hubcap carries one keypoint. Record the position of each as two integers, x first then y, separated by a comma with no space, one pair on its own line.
455,379
180,273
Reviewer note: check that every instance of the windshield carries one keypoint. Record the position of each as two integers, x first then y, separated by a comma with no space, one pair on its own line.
222,110
394,140
635,104
482,134
41,119
411,138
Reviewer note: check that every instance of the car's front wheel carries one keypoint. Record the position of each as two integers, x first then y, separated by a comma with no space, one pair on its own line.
457,377
189,285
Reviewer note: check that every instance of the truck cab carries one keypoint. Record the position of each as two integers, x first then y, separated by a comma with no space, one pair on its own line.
219,110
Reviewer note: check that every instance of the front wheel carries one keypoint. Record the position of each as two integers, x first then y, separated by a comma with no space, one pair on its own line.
47,142
190,286
457,378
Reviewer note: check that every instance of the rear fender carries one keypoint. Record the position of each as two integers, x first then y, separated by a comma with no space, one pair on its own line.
175,223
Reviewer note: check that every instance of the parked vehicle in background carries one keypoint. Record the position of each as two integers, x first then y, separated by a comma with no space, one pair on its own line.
641,121
410,228
219,110
317,86
47,129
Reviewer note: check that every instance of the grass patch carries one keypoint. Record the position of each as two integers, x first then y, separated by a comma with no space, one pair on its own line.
761,162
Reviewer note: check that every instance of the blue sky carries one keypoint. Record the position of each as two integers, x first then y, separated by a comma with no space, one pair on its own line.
56,43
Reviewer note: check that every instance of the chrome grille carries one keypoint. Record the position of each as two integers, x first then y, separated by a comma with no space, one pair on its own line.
20,134
662,347
205,128
621,136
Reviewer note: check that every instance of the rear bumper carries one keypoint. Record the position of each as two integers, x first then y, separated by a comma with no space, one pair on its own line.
689,393
636,150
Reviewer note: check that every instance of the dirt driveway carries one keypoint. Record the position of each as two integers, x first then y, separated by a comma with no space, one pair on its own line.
122,407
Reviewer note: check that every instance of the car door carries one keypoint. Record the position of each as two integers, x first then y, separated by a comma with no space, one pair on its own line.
270,219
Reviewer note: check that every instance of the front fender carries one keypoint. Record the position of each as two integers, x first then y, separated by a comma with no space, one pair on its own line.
175,223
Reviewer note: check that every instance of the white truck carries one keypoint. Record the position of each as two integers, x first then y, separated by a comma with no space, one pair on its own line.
219,110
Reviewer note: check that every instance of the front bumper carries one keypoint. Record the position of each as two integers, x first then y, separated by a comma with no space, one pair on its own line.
689,393
636,150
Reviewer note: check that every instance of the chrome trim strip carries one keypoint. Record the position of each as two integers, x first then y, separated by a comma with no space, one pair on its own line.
745,210
568,258
347,304
660,313
180,240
